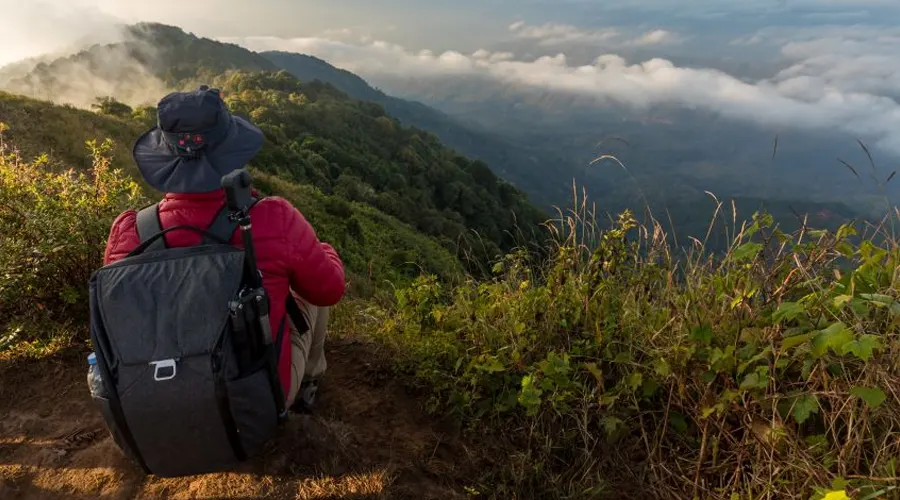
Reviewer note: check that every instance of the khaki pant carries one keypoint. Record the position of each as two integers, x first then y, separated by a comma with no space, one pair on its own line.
307,350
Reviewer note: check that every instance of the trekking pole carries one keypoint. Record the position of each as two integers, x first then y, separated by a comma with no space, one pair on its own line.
237,192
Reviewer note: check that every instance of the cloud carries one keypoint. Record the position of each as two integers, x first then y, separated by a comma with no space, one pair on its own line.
829,86
56,32
656,37
860,59
554,34
557,34
41,27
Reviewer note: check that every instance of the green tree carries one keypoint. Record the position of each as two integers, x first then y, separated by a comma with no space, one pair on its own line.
108,105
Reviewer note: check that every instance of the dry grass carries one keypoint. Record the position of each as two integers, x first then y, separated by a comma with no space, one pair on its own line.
372,485
626,364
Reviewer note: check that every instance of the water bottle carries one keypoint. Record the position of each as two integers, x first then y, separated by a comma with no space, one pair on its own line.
95,382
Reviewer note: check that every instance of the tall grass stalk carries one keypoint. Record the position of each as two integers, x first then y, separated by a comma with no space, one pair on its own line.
622,364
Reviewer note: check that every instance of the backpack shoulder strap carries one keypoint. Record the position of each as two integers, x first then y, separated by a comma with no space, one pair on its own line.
148,224
223,227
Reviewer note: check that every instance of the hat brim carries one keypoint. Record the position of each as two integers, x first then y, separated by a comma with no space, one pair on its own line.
166,171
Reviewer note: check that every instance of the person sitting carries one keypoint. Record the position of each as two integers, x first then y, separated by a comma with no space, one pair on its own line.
289,254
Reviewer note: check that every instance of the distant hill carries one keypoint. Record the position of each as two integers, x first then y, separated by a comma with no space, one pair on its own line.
151,59
516,163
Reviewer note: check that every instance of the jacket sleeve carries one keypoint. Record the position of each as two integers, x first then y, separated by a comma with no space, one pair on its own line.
120,240
315,268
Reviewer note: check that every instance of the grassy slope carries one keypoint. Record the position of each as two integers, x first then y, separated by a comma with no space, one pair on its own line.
375,246
40,127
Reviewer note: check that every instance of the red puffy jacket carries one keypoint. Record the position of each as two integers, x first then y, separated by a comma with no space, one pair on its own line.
288,252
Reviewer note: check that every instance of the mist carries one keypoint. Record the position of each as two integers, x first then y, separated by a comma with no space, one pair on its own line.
834,81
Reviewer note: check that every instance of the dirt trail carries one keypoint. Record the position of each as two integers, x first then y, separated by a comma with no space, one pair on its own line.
367,439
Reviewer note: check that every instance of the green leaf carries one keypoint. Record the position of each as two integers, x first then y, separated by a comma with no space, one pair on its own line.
635,380
678,422
760,356
530,395
790,342
804,406
845,230
807,368
873,396
493,365
755,380
746,251
788,311
708,411
722,361
650,387
880,300
834,337
595,371
845,249
611,425
842,300
863,347
661,367
702,334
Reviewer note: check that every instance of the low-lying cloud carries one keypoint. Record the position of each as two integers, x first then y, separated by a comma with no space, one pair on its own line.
555,34
833,83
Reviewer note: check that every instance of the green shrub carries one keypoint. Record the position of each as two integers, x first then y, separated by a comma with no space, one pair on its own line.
55,225
770,372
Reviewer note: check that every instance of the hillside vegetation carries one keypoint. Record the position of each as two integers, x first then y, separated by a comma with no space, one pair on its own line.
610,368
769,373
315,134
319,136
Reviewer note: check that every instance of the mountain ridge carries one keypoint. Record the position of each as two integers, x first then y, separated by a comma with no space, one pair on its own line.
509,161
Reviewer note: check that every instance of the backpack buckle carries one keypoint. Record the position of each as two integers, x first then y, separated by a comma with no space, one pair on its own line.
159,366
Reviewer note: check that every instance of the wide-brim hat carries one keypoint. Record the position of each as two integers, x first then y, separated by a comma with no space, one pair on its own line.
195,143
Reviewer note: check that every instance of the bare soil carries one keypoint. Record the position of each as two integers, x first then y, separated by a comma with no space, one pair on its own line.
368,438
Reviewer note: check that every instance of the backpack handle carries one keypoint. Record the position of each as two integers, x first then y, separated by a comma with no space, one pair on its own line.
143,246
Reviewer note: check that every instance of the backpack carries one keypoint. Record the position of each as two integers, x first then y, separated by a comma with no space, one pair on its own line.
184,346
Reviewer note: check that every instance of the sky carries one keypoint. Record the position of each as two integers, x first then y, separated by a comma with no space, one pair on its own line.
807,63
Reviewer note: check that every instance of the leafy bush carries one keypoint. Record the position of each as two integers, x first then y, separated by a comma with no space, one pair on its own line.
768,373
55,225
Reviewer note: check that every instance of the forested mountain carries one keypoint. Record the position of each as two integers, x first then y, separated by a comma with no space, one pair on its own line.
525,166
150,59
316,135
349,150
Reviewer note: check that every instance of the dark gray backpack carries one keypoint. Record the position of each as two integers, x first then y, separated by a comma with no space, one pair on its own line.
184,346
